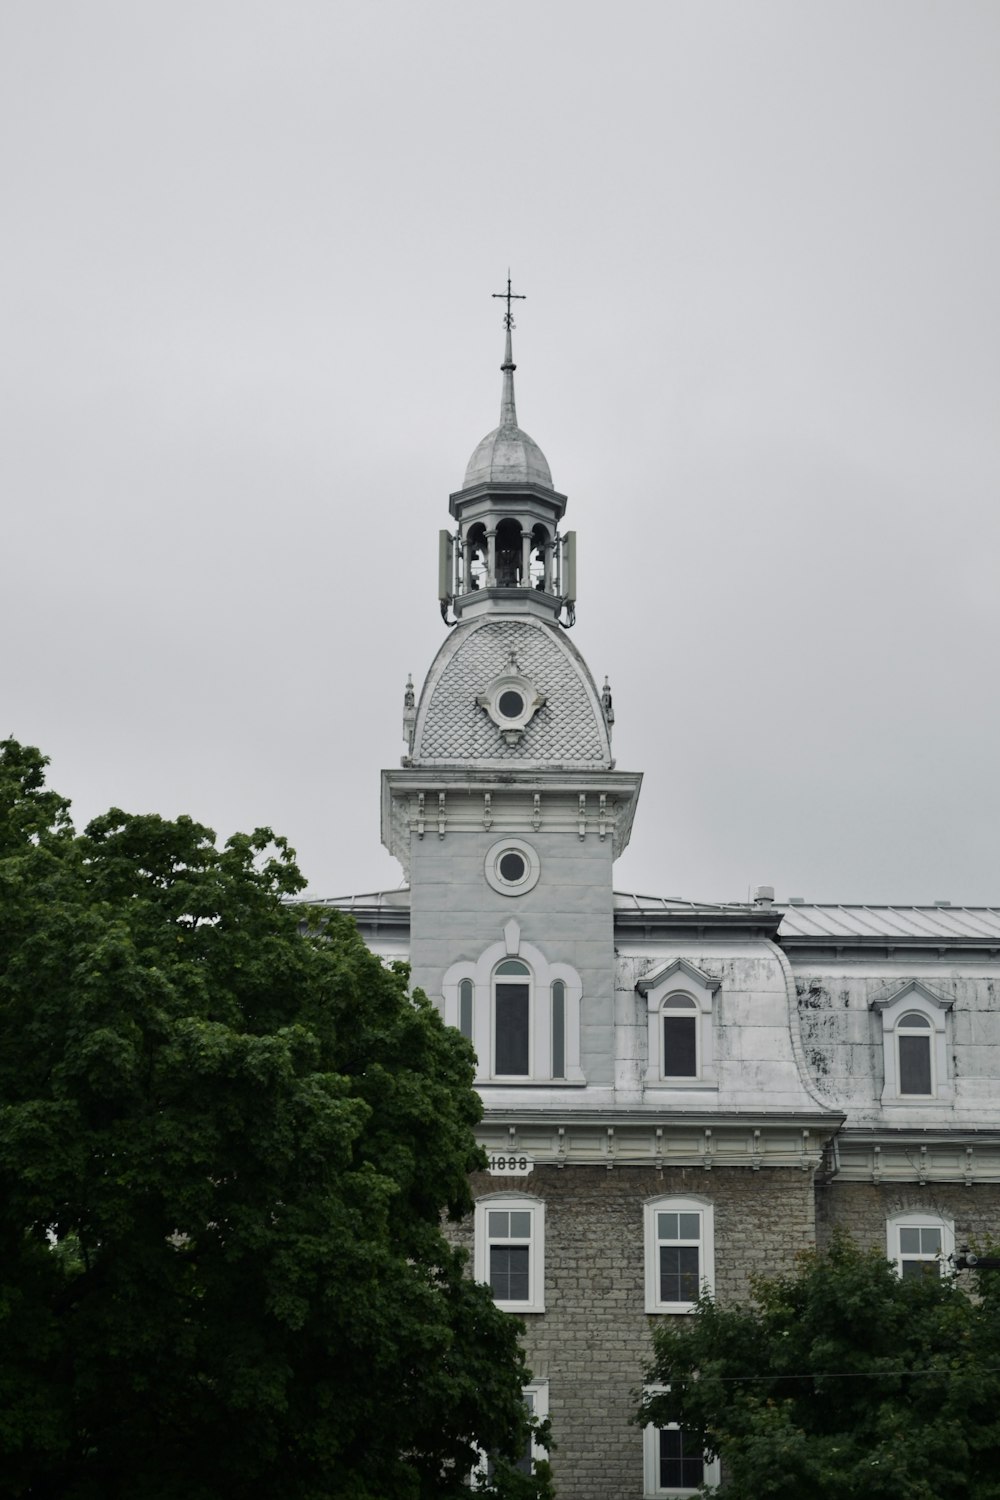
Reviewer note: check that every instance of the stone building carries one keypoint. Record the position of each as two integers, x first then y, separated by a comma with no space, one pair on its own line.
676,1095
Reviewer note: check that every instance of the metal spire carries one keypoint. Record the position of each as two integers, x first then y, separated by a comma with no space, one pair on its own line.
508,411
508,296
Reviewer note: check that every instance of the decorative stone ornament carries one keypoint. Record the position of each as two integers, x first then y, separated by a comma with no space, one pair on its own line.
511,701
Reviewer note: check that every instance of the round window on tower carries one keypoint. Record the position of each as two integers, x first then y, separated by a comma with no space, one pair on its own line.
511,867
510,704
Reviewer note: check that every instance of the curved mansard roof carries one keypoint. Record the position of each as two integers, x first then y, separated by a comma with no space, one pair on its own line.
452,727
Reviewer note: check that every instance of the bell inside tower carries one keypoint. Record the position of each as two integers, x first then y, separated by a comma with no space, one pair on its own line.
508,569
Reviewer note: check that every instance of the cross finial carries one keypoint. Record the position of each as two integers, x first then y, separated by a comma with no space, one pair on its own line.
509,297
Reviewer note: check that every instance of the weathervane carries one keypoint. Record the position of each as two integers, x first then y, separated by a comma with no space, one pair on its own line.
508,321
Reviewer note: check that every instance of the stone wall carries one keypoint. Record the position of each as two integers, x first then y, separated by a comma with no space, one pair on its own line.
593,1339
862,1208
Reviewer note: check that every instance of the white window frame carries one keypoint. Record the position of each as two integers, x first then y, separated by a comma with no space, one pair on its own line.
651,1487
915,996
543,973
513,1203
672,1203
538,1395
919,1219
679,977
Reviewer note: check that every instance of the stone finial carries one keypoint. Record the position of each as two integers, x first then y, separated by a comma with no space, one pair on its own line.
606,704
409,713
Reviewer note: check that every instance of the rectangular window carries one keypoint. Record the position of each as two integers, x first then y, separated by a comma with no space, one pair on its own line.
558,1029
920,1249
679,1237
510,1251
920,1243
536,1399
465,1009
914,1064
680,1047
672,1462
679,1253
682,1464
512,1035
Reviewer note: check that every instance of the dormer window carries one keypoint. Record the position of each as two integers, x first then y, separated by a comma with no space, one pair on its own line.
680,1000
680,1037
915,1046
915,1056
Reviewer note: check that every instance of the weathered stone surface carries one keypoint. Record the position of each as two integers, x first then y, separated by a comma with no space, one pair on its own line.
593,1339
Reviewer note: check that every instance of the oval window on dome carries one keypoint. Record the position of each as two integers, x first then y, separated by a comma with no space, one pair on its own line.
511,867
510,704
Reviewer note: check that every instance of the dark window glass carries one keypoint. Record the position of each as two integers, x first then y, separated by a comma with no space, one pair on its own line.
919,1268
510,704
523,1464
512,1007
680,1047
682,1466
679,1273
512,866
558,1029
465,1009
914,1064
509,1272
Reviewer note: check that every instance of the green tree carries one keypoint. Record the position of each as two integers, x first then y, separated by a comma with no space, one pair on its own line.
843,1382
227,1139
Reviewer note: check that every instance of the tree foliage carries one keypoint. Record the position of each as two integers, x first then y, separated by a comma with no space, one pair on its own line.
227,1139
842,1382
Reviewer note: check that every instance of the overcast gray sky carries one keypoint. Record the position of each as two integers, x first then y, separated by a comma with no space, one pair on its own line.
247,257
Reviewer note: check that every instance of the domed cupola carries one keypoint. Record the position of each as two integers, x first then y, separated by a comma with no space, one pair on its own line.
507,455
507,555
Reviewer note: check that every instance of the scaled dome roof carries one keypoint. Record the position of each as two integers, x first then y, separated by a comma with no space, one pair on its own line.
454,728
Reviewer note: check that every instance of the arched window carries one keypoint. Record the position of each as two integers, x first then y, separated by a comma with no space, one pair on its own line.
680,1037
509,554
541,562
521,1012
558,1028
512,1019
475,558
919,1242
680,1253
913,1041
465,994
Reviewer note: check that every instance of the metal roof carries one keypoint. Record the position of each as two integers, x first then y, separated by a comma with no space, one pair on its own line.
860,921
372,900
826,922
627,901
